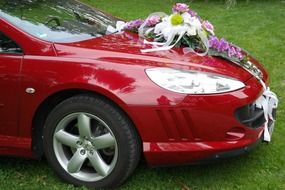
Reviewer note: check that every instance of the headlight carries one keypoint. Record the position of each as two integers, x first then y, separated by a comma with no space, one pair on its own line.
192,82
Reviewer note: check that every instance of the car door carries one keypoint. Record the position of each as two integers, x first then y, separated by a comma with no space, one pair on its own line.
10,63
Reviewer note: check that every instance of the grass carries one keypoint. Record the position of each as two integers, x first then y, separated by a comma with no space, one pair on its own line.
258,27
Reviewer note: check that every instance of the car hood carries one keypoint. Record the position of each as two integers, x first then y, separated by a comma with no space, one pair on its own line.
125,48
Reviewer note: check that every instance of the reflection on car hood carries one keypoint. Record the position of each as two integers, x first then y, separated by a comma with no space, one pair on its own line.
124,48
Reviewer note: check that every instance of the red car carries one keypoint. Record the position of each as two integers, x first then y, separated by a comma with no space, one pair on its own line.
93,104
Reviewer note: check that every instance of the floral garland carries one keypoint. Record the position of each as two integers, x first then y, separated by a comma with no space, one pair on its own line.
184,28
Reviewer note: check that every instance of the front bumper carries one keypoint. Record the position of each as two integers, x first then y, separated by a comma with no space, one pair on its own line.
159,154
183,130
232,153
239,151
163,154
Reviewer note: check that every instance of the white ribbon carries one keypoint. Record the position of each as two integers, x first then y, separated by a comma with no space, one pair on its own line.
268,101
119,27
164,46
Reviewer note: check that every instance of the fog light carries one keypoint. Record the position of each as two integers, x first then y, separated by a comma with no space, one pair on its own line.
235,133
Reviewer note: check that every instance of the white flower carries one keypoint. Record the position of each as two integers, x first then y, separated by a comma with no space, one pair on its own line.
175,25
193,23
190,26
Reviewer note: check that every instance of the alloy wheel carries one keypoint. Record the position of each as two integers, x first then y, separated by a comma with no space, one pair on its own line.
85,146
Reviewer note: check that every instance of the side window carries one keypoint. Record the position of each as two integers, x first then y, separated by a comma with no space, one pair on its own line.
8,46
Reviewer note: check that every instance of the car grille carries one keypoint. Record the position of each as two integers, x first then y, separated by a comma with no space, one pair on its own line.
251,116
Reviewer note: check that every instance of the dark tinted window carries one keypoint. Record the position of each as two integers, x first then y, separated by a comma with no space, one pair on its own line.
56,20
7,45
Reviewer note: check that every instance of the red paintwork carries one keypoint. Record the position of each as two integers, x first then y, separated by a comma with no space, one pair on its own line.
175,128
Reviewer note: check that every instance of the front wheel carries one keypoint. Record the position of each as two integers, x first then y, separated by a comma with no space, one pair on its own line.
89,141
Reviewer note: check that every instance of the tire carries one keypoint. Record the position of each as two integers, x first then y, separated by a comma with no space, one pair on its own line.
90,142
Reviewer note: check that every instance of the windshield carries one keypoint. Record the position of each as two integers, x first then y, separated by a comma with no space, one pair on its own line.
56,20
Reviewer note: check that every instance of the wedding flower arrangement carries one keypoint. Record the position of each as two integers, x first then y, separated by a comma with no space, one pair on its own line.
184,28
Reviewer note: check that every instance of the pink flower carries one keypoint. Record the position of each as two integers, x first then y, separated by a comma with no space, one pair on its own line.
153,20
239,54
224,45
180,8
214,42
208,26
192,13
232,52
133,25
